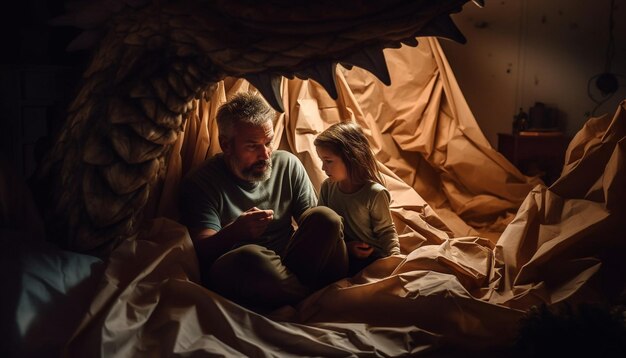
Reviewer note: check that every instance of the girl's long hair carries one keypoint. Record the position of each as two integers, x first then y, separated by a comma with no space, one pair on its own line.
347,140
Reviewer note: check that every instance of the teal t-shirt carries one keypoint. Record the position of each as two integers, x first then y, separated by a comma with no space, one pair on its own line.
212,197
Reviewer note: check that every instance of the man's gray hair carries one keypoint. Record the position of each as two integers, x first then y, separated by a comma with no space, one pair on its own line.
244,107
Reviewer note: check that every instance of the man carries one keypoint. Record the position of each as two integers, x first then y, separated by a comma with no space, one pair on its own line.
239,207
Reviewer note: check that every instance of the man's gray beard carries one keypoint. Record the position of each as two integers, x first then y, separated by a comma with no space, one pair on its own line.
248,174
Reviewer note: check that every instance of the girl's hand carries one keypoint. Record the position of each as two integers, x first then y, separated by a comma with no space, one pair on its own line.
360,250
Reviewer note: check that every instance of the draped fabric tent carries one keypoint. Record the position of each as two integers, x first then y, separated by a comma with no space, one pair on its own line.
481,243
420,128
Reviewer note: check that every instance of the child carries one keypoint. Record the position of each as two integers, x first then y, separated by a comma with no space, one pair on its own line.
354,189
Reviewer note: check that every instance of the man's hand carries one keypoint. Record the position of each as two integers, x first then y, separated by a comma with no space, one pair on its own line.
358,249
211,244
252,222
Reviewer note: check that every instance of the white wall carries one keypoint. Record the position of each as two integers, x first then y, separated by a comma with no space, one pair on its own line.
519,52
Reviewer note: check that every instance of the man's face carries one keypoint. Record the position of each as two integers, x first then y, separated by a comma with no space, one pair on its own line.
248,152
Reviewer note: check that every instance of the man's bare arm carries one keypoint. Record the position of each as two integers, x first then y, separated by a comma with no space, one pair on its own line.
210,244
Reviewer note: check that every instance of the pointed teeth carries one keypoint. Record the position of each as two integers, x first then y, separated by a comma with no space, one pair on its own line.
324,74
269,86
444,27
479,3
372,60
411,41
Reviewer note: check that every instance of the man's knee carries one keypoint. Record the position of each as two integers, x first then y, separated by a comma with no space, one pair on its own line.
322,218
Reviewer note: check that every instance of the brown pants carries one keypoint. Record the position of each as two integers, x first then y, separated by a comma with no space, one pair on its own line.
259,278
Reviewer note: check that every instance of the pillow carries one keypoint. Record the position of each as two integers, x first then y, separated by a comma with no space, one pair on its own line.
49,291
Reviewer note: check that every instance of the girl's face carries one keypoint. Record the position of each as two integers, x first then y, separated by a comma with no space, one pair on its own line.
332,165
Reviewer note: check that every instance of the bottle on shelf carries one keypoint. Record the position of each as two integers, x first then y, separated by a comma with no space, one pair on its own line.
520,121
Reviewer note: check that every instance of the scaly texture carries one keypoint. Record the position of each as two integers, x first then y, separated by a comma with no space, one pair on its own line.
152,60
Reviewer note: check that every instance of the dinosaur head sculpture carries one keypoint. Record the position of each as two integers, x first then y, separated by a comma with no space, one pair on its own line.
151,59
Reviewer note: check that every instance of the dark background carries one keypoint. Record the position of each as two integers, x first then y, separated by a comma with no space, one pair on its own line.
38,78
